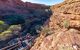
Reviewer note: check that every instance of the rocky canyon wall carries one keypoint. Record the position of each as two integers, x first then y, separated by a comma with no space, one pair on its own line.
62,32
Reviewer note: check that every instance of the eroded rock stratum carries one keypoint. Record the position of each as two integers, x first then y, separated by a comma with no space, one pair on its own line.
63,28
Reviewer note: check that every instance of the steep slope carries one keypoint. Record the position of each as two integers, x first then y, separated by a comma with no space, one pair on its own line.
63,28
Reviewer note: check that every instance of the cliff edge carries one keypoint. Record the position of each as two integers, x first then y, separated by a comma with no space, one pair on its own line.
62,31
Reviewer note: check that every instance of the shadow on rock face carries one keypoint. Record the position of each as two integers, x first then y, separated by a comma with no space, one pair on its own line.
40,17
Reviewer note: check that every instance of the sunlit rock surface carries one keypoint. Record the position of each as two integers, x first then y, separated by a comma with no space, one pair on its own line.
65,24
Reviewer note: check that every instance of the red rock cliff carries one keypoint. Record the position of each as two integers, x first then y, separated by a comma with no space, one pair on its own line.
63,30
17,6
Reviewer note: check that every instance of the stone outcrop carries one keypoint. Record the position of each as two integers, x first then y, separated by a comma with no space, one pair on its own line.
63,28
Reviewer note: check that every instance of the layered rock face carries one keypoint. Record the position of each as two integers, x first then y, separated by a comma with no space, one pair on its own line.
63,28
17,6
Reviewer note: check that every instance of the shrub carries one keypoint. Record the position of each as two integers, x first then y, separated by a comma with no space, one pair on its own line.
15,27
14,19
12,30
66,23
47,30
5,35
3,26
1,22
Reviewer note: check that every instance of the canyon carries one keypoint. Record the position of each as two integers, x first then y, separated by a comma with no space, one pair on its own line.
17,18
31,26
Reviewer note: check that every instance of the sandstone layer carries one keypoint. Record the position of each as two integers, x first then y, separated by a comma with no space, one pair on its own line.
63,28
